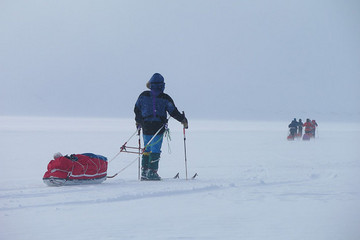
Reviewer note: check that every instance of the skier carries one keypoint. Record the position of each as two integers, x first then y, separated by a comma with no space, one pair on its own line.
151,110
308,127
300,127
314,125
293,128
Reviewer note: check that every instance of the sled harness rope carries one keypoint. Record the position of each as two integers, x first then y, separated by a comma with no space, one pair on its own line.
140,150
166,134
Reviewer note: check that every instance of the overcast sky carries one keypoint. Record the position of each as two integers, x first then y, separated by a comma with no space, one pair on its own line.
224,59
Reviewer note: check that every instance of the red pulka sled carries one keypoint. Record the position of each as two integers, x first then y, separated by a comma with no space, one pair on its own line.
307,137
86,168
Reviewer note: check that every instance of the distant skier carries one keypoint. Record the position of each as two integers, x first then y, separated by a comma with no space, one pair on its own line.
300,128
308,127
293,128
314,126
151,110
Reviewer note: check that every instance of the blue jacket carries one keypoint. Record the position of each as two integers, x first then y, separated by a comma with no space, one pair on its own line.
293,125
151,111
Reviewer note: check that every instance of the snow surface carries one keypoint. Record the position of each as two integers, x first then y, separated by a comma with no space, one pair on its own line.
252,183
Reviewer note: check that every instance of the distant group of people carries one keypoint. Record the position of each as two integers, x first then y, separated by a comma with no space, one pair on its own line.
296,128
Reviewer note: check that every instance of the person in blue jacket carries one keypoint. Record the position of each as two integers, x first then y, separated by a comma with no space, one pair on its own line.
151,109
293,127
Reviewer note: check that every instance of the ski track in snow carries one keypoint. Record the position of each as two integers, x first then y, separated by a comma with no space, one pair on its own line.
123,190
22,198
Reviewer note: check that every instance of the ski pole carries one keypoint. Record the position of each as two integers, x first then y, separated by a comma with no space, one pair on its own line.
185,150
139,154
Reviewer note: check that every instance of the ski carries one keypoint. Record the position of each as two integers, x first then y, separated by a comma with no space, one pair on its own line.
195,175
177,176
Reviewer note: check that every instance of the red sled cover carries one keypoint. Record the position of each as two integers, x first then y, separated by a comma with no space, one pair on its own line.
85,168
307,136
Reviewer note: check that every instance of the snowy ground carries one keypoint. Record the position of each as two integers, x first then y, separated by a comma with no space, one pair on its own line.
252,184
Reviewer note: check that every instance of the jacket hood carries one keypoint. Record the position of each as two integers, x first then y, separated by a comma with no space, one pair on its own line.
156,84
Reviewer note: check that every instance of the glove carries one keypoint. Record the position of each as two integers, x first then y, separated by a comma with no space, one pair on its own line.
185,123
138,126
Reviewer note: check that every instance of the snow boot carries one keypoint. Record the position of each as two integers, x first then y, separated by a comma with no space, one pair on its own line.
152,175
153,167
144,173
154,161
145,165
